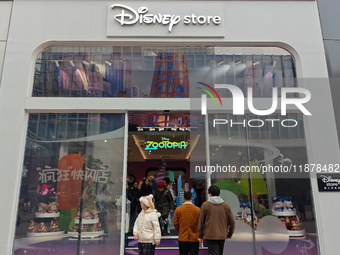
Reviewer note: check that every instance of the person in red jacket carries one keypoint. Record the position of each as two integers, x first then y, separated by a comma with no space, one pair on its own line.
216,222
186,224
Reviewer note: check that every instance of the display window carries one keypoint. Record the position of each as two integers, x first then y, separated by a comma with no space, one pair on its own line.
165,72
83,173
71,187
254,168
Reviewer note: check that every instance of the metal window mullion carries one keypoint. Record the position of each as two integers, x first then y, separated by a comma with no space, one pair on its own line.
38,124
46,126
234,75
66,125
218,129
228,127
207,154
77,126
279,129
123,200
283,72
55,125
224,73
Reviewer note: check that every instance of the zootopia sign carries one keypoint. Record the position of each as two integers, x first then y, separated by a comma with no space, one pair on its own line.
165,144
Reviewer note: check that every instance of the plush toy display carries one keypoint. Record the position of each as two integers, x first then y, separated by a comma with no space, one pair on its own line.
90,221
284,210
41,227
244,214
89,214
45,213
282,204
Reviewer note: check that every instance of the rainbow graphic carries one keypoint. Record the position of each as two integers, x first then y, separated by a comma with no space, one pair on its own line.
209,93
204,97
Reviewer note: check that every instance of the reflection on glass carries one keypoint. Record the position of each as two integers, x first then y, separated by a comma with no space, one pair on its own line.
159,72
253,163
71,184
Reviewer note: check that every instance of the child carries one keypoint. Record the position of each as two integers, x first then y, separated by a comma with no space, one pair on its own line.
146,229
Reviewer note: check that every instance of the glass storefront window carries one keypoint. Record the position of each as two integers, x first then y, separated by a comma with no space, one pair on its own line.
158,72
71,188
251,165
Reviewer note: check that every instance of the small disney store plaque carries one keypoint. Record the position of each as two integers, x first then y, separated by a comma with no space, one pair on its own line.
329,182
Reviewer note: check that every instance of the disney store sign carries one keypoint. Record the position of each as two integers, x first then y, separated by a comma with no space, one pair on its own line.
161,20
130,16
329,182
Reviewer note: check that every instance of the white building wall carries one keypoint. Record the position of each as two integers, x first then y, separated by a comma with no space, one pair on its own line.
293,25
5,13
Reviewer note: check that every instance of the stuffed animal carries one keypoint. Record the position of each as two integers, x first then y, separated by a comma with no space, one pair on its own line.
95,213
287,204
87,214
42,227
84,228
42,208
245,210
54,227
53,207
96,227
75,228
277,204
294,223
32,227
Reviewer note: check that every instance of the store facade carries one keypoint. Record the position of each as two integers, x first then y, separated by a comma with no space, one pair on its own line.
114,92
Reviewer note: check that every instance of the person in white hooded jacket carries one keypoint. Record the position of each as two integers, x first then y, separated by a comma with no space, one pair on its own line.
147,230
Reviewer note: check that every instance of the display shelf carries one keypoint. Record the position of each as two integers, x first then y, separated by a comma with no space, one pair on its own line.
284,213
297,233
87,234
47,215
86,221
35,234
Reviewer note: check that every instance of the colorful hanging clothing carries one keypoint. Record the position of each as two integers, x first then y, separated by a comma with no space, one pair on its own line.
95,79
65,79
79,80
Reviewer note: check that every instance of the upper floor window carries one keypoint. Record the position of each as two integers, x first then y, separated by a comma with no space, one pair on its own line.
172,72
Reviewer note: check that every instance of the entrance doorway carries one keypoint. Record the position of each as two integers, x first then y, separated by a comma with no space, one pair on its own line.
160,149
